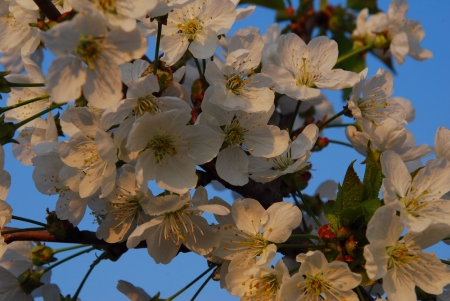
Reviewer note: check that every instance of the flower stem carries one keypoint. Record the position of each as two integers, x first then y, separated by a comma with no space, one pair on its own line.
191,283
360,295
331,119
304,236
202,286
69,248
341,125
297,108
67,259
25,85
25,121
158,40
353,52
91,267
308,209
22,230
200,73
340,142
23,103
18,218
314,247
204,66
445,261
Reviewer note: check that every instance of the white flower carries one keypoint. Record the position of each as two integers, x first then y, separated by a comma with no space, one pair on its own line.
291,160
165,6
418,199
259,283
375,105
177,221
196,26
5,177
118,13
171,150
308,67
10,288
236,86
442,143
92,152
124,206
255,231
242,132
401,263
317,280
87,37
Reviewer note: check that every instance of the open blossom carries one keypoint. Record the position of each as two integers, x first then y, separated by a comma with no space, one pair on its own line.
196,26
124,206
134,293
171,149
177,221
235,86
92,154
401,263
293,159
418,199
242,132
258,283
308,67
254,232
88,58
375,105
442,143
317,280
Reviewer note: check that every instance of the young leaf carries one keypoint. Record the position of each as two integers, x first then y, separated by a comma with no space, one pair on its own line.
350,193
369,207
372,177
360,4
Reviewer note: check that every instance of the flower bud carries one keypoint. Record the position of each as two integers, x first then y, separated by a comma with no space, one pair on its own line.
350,245
348,258
325,232
343,233
381,41
29,281
41,254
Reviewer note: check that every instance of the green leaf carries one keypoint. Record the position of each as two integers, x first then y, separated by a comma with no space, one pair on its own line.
329,211
352,217
361,4
350,194
372,177
274,4
369,207
4,87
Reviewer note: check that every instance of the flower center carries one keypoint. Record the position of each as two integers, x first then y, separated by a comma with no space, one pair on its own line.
305,77
234,133
413,205
255,244
400,256
125,209
148,103
372,107
315,284
162,145
108,6
191,28
283,161
262,288
89,50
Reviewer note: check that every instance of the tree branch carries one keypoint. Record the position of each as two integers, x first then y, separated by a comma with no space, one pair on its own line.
49,9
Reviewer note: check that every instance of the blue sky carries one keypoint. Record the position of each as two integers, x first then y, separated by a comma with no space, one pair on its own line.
424,83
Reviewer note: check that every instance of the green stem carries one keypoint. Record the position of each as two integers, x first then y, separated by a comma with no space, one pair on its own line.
18,218
91,267
69,248
158,40
308,209
22,230
67,259
204,66
293,270
331,119
340,142
360,295
23,103
198,67
202,286
304,236
314,247
297,108
25,121
445,261
353,52
446,238
191,283
25,85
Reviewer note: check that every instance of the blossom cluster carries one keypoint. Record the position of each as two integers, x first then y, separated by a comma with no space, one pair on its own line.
225,104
